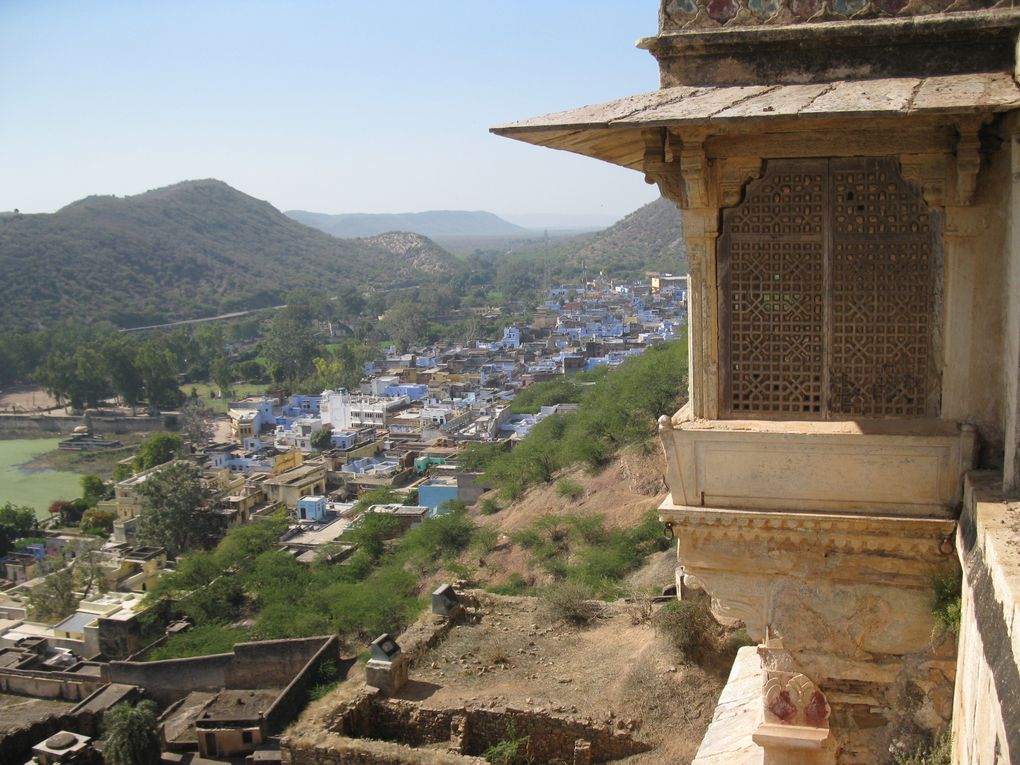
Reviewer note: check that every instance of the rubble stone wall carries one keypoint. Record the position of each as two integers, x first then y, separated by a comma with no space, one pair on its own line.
471,731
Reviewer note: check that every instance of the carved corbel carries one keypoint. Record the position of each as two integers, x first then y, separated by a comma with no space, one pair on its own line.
678,167
927,172
968,158
665,173
734,173
694,168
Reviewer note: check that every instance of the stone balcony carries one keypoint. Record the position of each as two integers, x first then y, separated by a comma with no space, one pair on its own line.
902,468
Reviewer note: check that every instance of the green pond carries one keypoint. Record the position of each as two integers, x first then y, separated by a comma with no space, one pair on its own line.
36,488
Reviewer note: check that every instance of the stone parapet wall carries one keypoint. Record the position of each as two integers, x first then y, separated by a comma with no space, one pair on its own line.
986,714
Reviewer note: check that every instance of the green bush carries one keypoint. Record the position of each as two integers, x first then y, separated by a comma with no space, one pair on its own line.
489,506
571,602
947,605
568,489
515,585
199,641
512,750
689,627
938,751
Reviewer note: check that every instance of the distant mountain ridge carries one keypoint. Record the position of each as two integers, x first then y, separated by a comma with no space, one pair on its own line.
191,249
434,223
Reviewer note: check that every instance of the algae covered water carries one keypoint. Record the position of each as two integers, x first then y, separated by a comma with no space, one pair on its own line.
35,488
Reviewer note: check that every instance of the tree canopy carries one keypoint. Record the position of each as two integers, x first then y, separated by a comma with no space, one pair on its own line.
174,511
132,734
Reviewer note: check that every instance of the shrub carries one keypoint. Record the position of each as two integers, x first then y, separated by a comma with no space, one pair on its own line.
938,751
689,627
569,489
512,750
515,585
489,506
571,602
946,602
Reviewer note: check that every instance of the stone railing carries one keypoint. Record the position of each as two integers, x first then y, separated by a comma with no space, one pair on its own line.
691,15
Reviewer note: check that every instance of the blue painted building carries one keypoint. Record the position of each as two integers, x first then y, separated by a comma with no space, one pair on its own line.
311,508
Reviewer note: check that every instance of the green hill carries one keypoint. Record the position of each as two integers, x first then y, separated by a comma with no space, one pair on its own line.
649,239
193,249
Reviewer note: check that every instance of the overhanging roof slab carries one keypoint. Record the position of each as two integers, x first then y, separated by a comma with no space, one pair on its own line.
613,131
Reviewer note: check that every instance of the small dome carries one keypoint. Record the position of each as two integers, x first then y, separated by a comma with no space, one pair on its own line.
62,740
81,430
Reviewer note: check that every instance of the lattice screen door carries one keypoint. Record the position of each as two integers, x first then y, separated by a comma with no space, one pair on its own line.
826,279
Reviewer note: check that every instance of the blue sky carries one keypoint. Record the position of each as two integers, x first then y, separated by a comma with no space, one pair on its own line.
337,106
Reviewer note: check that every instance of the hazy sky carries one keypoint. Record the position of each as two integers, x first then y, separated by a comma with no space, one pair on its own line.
343,106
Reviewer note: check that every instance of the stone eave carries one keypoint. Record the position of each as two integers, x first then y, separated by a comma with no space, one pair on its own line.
615,131
866,32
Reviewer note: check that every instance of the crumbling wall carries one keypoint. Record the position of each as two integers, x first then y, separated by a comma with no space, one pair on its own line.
471,731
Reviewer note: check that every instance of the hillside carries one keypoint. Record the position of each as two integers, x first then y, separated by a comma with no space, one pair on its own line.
435,223
648,239
192,249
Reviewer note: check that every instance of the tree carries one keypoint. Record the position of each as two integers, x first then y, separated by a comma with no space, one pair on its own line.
94,520
16,521
290,345
174,513
93,489
119,358
55,598
196,421
157,449
321,439
132,734
372,532
157,367
223,374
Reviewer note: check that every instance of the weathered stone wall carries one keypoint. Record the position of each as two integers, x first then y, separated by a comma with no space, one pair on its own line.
331,749
473,730
986,719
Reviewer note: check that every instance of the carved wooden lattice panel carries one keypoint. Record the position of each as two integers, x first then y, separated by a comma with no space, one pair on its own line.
776,289
826,278
881,292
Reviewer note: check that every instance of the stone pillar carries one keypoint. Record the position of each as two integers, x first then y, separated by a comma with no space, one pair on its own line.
582,752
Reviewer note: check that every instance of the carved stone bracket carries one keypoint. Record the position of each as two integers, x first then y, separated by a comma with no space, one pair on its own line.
733,176
665,173
694,168
968,158
678,167
928,172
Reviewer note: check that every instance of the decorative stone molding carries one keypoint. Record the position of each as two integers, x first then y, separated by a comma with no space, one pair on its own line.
688,15
801,532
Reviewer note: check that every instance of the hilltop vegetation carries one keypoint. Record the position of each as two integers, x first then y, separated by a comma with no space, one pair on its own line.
193,249
620,409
